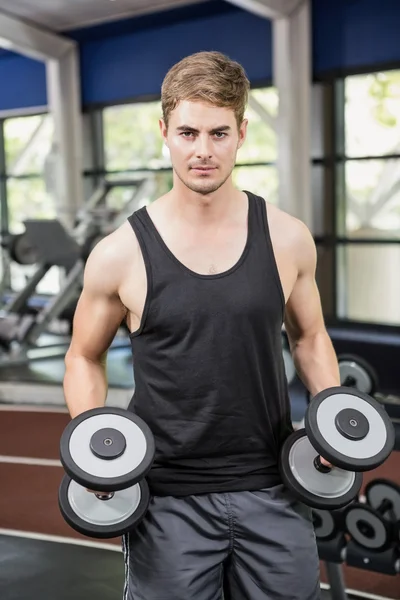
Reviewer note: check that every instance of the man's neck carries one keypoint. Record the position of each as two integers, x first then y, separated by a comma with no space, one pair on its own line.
205,210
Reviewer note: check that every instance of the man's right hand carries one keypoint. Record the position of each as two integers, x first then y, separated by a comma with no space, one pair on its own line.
105,494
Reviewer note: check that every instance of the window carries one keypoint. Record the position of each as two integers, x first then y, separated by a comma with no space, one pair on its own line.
372,114
369,283
368,198
132,138
372,197
27,142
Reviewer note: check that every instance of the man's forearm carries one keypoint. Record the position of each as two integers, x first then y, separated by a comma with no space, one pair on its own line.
85,384
316,362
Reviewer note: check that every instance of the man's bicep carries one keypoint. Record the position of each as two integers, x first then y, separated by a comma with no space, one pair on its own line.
99,312
96,321
303,314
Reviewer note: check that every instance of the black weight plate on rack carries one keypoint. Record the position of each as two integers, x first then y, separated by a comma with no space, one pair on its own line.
379,491
358,373
367,528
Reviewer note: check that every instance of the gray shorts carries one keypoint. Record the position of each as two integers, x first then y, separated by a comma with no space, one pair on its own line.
237,546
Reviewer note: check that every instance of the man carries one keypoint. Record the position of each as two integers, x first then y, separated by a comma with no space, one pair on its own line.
205,276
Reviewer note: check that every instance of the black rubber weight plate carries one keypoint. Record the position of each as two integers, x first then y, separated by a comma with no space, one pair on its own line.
103,524
378,491
107,475
358,455
324,524
366,527
327,523
363,374
326,491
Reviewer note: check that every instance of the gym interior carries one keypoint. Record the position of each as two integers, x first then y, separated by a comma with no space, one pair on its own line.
80,151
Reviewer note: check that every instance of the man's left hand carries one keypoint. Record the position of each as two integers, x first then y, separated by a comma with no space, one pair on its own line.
326,463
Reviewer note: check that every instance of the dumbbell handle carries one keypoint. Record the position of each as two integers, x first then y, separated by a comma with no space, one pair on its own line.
106,496
320,467
385,506
349,382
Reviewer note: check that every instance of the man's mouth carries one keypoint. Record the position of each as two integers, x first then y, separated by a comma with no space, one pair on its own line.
203,168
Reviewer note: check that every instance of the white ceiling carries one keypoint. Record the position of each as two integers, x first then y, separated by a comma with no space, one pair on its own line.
69,14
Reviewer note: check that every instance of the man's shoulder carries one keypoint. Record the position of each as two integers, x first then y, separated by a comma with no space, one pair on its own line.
116,249
281,220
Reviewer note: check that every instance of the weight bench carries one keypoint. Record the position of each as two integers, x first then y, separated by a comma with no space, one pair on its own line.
55,247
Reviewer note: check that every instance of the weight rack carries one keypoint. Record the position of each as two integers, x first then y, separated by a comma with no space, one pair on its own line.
337,537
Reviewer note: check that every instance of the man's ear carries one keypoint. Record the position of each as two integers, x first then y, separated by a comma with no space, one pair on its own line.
242,132
163,130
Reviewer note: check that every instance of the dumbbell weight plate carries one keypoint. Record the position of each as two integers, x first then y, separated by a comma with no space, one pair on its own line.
319,490
367,528
22,251
325,524
97,518
358,373
349,429
107,449
382,490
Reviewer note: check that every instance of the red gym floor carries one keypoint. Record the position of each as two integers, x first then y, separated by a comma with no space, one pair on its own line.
30,474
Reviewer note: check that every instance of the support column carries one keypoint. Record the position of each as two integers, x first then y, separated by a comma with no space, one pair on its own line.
4,221
63,89
292,75
64,100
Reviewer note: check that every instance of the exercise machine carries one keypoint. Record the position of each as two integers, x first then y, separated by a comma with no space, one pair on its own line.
20,329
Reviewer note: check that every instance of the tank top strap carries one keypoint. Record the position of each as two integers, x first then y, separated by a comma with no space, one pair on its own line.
262,248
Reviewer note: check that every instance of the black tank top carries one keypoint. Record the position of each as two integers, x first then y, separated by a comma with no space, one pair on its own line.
209,373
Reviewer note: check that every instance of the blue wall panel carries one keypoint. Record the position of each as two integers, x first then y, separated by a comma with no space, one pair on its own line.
355,34
164,18
23,83
126,66
129,58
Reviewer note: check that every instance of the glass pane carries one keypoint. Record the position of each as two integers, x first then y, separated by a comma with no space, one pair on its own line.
132,138
368,283
261,141
157,184
373,198
20,274
28,199
372,114
262,181
28,142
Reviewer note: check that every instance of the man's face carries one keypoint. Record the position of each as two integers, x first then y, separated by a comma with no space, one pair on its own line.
203,141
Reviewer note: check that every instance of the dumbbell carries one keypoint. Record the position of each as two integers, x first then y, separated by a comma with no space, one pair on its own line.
110,451
350,430
327,523
355,372
373,525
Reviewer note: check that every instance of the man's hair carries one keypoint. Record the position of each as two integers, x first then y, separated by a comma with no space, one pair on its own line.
209,77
